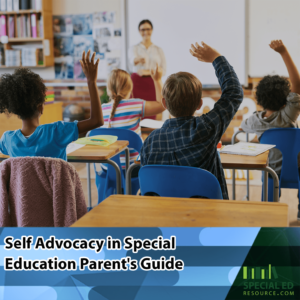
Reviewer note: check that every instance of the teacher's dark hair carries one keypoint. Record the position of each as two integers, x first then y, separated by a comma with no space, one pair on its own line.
144,22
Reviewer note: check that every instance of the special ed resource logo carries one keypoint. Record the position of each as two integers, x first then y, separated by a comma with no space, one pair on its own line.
265,281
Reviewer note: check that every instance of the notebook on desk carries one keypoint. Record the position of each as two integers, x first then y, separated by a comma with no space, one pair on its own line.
248,149
154,124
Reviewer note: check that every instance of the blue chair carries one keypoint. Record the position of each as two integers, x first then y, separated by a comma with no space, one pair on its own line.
178,181
287,140
106,179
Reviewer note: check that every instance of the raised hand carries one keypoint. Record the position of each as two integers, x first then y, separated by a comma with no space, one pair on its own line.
278,46
90,69
204,53
156,74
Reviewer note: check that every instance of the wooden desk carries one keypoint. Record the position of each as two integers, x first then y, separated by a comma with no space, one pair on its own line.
242,162
52,113
98,154
138,211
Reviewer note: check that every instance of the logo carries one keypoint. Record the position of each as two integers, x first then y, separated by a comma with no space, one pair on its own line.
259,273
266,282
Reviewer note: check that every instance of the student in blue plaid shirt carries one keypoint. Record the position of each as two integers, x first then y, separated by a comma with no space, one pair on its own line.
185,140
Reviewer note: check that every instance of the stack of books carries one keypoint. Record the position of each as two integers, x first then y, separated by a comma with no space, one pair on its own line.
16,5
27,26
50,97
13,58
31,53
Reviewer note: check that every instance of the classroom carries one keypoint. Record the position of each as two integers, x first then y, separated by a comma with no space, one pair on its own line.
138,113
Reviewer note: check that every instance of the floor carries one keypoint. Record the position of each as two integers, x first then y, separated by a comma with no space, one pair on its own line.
287,196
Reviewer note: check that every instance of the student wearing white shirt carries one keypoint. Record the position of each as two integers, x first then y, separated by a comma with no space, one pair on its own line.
142,58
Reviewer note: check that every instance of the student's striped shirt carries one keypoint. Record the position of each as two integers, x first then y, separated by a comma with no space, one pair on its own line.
127,116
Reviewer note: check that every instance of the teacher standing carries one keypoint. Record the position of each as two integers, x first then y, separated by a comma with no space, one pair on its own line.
142,58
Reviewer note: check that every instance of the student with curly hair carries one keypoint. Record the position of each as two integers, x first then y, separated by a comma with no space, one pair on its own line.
23,94
280,101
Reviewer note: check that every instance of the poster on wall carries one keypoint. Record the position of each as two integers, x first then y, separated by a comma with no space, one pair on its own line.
63,25
83,24
74,34
81,43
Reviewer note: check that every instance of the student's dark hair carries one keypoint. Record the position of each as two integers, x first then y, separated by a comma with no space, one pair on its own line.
144,22
272,92
182,92
21,93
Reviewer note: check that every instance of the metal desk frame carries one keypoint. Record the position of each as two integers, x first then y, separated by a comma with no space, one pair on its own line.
265,170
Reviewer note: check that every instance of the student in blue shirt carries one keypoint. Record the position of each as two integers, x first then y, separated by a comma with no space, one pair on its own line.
23,94
186,140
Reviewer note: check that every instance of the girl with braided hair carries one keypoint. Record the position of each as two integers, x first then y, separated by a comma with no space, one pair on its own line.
126,113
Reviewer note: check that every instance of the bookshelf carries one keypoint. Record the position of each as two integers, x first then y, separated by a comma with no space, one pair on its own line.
20,40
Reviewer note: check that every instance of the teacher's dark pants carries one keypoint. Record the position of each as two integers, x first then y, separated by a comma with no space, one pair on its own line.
143,88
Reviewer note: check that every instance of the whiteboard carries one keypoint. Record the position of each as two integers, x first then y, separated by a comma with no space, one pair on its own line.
177,24
272,19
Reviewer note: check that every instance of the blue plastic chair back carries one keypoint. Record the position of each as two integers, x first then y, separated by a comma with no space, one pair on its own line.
107,182
179,181
287,140
133,138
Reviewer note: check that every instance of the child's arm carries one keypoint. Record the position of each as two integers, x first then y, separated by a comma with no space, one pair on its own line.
154,108
225,108
90,70
278,46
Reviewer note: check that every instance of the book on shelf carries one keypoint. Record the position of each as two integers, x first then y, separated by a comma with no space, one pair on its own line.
28,26
24,4
41,27
31,54
18,26
11,27
3,5
2,61
29,57
33,25
13,58
3,26
40,57
16,5
38,4
9,5
24,26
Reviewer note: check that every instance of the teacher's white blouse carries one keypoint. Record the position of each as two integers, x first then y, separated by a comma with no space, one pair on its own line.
152,56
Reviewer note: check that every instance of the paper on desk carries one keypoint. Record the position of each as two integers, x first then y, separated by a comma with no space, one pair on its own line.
73,147
151,123
250,149
104,140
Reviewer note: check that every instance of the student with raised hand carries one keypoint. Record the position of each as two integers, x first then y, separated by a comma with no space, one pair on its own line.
124,112
280,102
23,94
186,140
